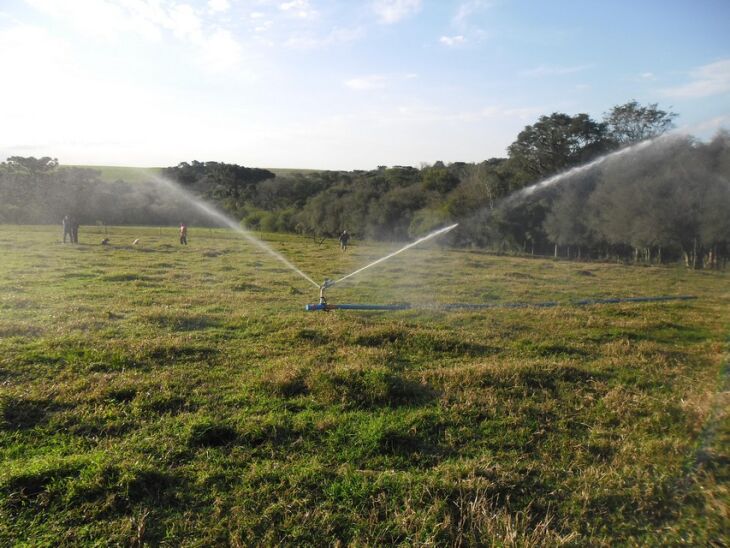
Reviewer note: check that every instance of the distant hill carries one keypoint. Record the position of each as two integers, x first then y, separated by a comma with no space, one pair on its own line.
109,174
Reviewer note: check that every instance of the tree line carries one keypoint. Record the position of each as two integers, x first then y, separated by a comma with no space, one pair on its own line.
666,201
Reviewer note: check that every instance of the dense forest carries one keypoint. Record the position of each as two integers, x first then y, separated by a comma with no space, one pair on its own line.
651,196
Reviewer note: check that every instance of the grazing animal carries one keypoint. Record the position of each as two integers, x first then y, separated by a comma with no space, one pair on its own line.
105,241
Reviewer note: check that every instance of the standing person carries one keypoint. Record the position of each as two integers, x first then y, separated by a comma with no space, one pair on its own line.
344,238
67,229
75,230
183,234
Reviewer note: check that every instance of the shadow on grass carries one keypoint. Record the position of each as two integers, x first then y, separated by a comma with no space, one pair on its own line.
209,433
21,413
661,332
253,288
544,349
182,321
423,343
367,388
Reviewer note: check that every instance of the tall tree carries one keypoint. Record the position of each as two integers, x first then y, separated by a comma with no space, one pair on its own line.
630,123
557,142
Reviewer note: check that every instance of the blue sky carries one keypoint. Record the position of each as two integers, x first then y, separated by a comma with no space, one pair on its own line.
341,84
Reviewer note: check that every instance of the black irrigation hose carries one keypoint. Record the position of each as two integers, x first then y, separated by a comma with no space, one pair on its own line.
467,306
582,302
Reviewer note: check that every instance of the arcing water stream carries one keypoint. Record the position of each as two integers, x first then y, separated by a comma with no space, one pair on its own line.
419,241
550,181
715,123
527,191
227,221
230,223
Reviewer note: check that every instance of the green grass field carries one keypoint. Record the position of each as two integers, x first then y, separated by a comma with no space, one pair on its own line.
160,394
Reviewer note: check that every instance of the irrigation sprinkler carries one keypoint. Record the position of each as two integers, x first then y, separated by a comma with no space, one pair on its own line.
324,306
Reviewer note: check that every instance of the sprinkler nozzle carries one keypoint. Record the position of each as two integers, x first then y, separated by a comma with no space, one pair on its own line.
327,283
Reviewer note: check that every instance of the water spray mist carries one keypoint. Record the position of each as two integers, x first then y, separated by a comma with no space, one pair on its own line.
230,223
329,283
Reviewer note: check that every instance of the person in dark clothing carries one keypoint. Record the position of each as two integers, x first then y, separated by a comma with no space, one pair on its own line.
183,234
344,239
75,230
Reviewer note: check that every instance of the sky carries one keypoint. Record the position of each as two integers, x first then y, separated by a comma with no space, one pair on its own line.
325,84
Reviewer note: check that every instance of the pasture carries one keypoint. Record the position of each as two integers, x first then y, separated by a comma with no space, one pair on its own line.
166,394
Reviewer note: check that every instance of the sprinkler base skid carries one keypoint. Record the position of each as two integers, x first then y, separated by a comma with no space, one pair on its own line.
326,307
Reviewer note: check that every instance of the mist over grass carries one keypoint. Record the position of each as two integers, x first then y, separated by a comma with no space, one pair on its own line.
156,393
625,188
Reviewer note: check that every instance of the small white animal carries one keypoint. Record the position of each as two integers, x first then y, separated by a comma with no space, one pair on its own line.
135,242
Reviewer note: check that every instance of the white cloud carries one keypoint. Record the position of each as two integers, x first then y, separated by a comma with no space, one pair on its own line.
548,70
451,41
707,80
647,76
220,51
218,5
379,81
298,8
263,26
465,22
216,49
335,36
105,19
466,10
367,83
184,22
392,11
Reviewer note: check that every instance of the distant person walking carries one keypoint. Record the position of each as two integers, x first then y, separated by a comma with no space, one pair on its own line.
183,234
67,229
344,239
75,230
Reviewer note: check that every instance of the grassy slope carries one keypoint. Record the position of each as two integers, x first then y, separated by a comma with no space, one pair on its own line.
155,393
132,175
